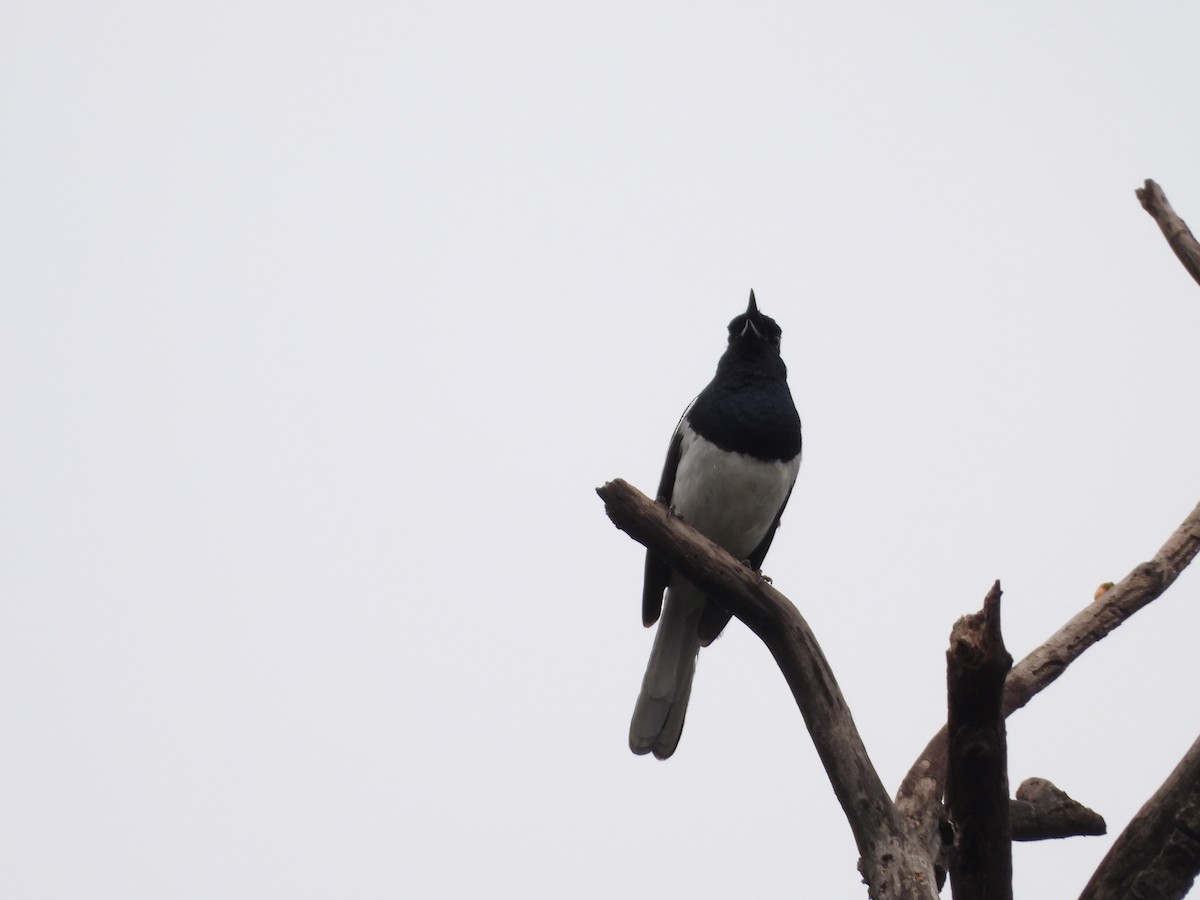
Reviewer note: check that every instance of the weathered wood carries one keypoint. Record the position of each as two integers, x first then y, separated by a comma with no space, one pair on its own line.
1174,229
893,865
977,777
1042,812
1158,854
920,795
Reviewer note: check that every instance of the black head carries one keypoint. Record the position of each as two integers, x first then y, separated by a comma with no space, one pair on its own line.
753,327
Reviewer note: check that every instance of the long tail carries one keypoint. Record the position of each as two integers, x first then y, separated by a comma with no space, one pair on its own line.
661,705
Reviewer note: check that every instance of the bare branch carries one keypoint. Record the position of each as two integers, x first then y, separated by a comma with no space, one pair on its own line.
1178,235
893,866
1158,854
1135,591
1042,811
977,776
920,795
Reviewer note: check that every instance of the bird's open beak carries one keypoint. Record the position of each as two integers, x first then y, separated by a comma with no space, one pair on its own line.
752,313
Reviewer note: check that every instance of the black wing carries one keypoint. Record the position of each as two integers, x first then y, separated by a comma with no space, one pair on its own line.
658,573
715,617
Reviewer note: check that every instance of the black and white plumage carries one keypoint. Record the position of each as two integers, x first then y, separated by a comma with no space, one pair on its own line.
729,473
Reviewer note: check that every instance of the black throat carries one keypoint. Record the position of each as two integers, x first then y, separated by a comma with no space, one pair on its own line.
747,407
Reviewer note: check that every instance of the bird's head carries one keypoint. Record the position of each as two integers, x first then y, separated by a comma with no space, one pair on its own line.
753,327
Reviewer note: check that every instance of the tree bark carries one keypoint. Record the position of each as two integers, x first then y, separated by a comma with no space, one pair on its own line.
1158,854
977,777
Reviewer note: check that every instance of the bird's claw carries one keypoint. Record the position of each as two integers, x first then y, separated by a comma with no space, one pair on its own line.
761,577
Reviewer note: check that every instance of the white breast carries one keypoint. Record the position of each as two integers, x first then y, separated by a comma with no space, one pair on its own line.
731,498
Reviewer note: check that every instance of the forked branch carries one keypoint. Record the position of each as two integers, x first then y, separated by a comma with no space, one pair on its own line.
899,842
920,794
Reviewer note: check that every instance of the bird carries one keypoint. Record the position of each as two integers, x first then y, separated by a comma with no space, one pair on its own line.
731,466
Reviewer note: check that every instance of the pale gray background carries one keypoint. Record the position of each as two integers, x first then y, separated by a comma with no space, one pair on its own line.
320,322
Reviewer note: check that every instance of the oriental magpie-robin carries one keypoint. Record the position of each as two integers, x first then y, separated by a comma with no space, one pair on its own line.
729,473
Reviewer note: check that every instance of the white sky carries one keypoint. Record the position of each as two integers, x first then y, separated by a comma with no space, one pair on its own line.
319,323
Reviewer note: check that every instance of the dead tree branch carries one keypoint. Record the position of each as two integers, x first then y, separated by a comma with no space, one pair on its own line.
977,776
903,845
1174,229
1041,811
1158,854
919,797
893,866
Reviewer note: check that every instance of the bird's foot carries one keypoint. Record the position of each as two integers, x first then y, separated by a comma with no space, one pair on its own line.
761,577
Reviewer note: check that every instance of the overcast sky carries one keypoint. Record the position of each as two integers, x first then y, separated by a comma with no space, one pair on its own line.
319,324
